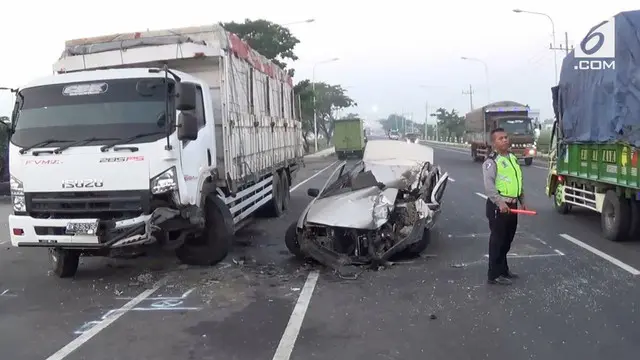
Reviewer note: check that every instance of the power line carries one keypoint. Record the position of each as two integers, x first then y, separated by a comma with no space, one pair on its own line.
565,48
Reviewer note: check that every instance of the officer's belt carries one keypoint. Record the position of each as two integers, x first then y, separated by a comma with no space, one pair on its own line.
509,200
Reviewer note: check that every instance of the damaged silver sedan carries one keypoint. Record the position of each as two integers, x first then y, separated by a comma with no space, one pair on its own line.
386,204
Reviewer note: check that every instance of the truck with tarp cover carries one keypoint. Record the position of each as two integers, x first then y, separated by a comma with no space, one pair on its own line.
595,138
509,115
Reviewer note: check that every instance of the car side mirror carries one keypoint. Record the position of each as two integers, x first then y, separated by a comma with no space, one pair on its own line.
187,127
186,96
313,192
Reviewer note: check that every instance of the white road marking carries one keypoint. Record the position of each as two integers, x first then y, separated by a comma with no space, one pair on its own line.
516,256
312,176
609,258
80,340
4,242
452,179
288,340
558,252
482,195
539,167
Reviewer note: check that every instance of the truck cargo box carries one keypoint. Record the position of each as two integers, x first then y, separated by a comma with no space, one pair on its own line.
257,129
598,98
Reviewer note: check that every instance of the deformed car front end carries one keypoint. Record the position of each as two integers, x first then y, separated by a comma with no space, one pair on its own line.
384,205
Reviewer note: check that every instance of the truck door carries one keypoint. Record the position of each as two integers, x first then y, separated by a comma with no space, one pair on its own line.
198,155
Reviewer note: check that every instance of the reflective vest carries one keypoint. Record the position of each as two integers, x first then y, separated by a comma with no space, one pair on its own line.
508,176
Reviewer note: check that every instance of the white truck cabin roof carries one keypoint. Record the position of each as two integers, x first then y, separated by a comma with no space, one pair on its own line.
98,75
153,48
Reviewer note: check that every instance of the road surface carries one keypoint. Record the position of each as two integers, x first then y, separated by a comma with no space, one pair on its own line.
577,297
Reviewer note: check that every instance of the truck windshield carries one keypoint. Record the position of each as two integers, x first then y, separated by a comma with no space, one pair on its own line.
516,126
106,108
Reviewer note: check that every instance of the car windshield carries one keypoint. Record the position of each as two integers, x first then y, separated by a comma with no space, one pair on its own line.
74,111
517,126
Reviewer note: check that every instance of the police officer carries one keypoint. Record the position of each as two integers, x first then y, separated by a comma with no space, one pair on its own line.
503,187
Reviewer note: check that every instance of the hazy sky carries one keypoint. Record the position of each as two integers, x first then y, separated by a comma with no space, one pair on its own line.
395,56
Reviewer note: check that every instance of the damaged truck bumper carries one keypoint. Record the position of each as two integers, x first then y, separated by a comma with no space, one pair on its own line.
89,233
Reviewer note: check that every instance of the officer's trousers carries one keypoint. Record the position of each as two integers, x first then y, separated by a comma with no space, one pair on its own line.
503,228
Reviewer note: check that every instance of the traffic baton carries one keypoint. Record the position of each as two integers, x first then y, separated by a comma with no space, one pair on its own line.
523,212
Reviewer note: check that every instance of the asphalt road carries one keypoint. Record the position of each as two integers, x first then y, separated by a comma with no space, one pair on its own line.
575,300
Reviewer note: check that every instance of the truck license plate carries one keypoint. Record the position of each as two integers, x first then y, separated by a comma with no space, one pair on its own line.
82,228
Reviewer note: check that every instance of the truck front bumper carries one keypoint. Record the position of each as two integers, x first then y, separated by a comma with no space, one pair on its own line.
27,231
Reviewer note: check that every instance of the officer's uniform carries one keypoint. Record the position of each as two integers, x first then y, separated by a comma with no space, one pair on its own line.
503,183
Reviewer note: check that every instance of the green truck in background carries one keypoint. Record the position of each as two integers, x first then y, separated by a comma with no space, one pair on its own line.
595,140
349,137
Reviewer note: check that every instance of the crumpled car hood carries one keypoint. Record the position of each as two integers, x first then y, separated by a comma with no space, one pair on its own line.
360,209
397,164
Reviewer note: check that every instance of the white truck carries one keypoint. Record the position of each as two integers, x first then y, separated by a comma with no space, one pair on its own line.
171,138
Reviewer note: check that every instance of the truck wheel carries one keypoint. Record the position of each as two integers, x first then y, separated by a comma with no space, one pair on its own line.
64,262
215,242
291,240
528,161
341,155
286,190
558,203
634,227
615,217
274,207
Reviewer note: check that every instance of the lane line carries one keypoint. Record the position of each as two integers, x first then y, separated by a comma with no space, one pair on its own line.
482,195
290,335
558,252
312,176
452,179
80,340
532,256
609,258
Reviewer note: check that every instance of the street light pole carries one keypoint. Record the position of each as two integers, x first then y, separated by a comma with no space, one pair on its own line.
486,74
553,36
313,90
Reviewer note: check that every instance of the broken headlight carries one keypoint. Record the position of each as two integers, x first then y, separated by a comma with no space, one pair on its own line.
165,182
17,195
381,209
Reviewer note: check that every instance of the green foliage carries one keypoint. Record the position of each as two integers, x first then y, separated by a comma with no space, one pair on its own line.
272,40
450,123
400,123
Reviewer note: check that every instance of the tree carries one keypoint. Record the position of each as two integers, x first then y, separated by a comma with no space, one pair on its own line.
401,124
304,99
330,98
272,40
450,124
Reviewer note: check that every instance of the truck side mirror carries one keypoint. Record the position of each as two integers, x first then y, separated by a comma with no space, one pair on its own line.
187,126
185,96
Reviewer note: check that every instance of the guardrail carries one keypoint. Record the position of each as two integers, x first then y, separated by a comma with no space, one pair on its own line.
461,144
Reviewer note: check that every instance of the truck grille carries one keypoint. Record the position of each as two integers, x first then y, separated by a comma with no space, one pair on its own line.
104,205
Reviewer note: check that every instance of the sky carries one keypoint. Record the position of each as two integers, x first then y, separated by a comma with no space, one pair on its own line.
393,57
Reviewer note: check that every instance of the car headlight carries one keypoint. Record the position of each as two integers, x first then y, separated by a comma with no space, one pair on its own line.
165,182
17,195
532,151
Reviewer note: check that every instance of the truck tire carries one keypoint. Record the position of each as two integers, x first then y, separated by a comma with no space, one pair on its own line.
286,190
213,245
615,217
560,206
634,227
274,206
291,240
64,262
341,155
528,161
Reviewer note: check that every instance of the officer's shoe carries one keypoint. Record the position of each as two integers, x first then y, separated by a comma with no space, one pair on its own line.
510,275
500,280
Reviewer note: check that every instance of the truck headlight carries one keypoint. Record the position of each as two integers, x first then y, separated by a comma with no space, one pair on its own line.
532,151
17,195
165,182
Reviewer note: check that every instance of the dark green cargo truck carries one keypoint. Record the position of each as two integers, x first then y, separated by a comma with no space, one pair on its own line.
349,137
595,141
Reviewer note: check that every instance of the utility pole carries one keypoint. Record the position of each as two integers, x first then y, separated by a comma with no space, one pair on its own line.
566,48
470,93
